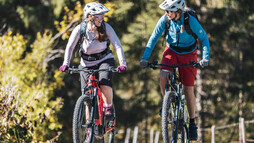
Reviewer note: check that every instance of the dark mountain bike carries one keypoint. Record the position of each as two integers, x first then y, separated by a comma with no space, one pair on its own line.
89,124
175,117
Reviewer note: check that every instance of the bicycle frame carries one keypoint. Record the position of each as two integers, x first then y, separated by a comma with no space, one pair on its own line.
97,96
173,84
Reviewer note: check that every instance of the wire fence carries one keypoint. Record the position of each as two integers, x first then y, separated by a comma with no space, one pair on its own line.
154,136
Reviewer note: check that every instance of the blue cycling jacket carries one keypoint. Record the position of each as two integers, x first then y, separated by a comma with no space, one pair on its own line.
185,40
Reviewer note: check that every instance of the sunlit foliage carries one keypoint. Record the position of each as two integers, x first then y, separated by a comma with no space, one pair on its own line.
77,15
28,112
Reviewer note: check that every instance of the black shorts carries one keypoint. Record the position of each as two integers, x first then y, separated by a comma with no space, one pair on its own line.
104,77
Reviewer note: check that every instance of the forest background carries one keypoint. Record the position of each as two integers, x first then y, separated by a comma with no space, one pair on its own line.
37,100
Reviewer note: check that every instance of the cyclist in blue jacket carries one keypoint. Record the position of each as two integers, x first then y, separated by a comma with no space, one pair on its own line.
181,48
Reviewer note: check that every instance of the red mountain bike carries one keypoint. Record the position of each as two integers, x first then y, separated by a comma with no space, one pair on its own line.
89,123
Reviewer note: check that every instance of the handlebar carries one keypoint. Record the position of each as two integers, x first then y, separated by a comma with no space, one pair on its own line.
155,65
91,71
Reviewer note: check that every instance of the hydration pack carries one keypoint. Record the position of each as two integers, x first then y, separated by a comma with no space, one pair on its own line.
83,27
186,13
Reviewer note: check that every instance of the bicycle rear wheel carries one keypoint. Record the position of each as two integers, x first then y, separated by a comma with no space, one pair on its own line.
182,135
108,131
107,138
82,131
184,116
167,121
109,135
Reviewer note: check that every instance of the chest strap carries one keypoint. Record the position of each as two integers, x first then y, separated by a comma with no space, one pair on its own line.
97,56
183,49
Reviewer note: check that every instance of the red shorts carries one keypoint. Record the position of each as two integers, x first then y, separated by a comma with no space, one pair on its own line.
187,74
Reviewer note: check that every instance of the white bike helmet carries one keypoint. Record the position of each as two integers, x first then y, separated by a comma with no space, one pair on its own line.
172,5
94,8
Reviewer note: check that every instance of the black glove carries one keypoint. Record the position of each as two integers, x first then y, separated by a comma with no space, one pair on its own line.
143,63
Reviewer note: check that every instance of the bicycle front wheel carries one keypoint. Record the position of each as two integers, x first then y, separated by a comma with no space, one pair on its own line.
82,131
167,119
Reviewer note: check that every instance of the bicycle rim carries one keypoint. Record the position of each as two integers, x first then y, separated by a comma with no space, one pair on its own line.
109,136
82,133
182,136
167,120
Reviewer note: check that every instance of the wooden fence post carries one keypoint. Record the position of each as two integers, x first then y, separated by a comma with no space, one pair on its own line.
156,140
241,130
151,136
128,132
213,134
135,137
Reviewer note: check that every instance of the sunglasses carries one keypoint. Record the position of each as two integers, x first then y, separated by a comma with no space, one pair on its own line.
167,11
101,16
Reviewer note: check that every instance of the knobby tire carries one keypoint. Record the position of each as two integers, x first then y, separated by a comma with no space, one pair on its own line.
80,131
167,130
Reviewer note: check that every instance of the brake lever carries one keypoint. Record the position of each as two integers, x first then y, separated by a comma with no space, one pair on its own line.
111,68
152,65
196,65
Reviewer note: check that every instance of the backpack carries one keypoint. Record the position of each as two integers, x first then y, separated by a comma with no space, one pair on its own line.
83,27
186,13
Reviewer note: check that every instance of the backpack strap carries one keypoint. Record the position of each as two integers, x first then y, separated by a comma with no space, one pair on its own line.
83,27
167,25
187,25
82,34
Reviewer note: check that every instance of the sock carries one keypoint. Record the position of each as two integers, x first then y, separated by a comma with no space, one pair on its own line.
108,105
192,121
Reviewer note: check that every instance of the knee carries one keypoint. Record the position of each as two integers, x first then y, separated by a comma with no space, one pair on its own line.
105,87
106,91
163,75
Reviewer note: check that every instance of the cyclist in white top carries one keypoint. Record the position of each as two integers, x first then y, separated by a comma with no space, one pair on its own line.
95,51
